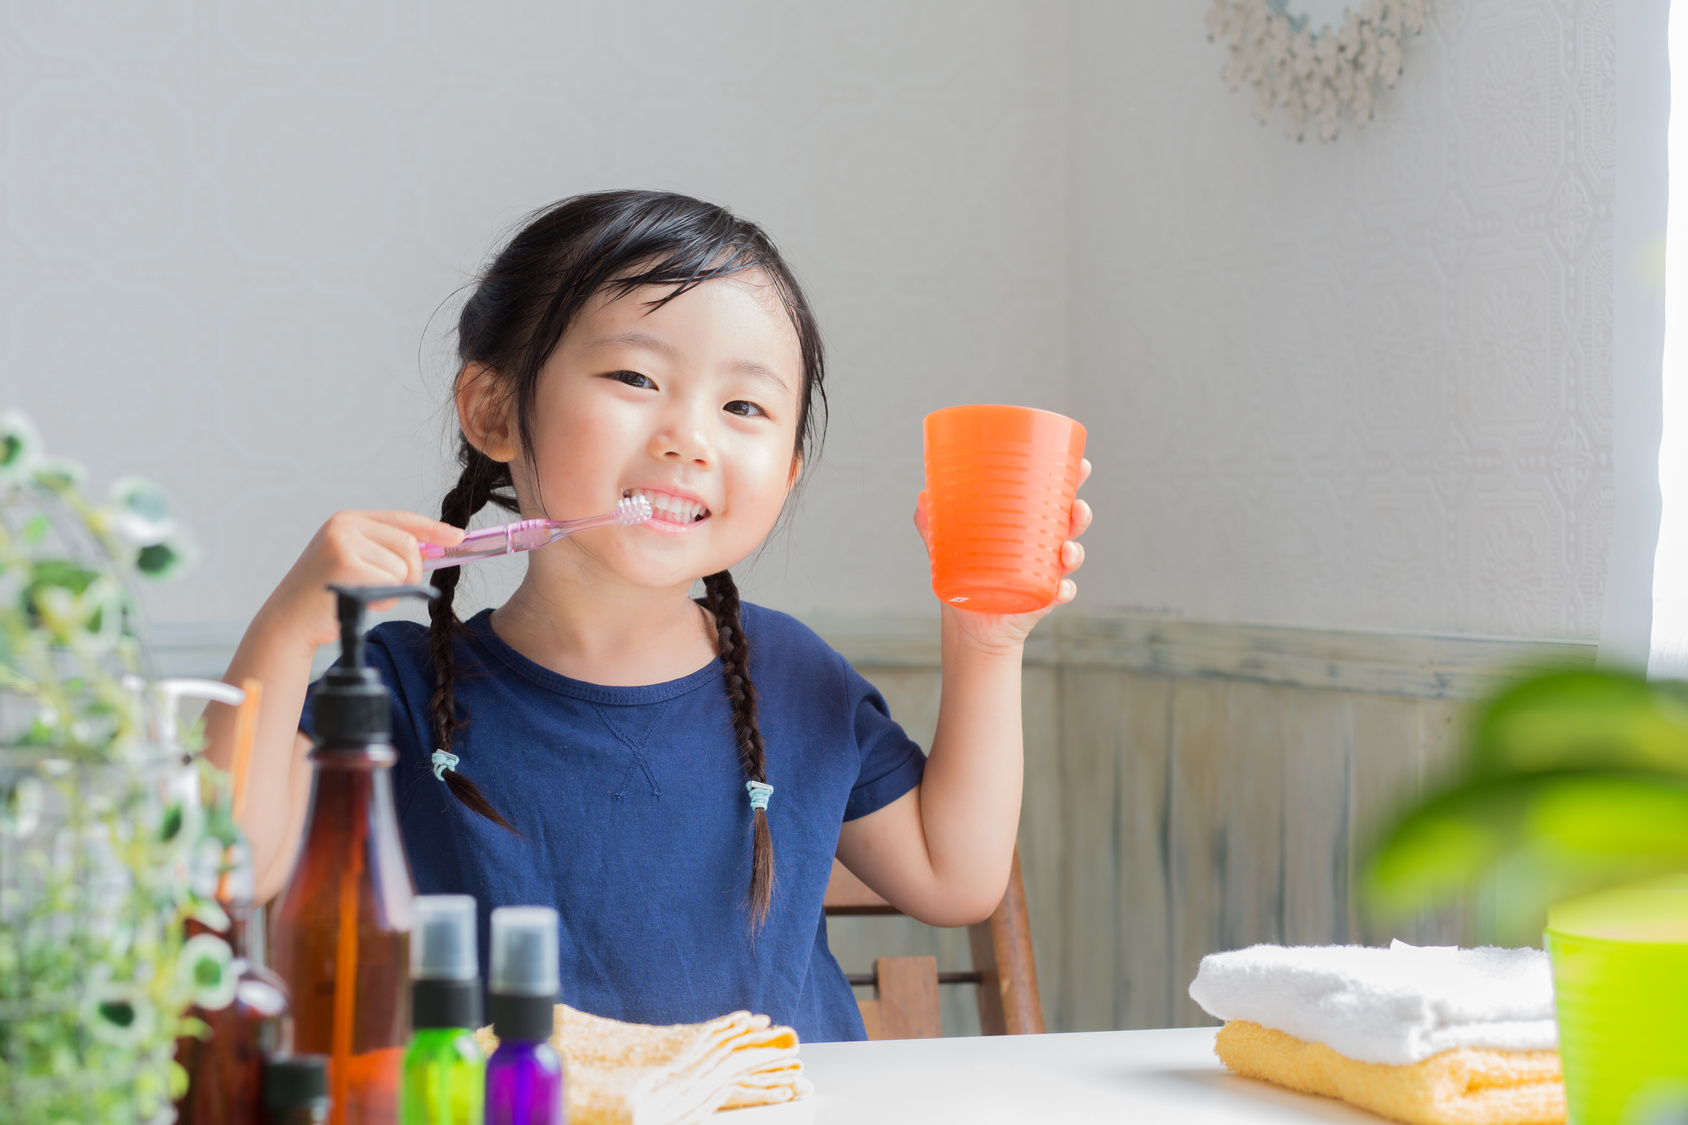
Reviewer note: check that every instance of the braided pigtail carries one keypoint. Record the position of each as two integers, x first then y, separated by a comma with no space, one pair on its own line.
474,490
722,601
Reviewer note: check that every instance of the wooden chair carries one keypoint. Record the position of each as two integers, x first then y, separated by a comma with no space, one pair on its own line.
905,1004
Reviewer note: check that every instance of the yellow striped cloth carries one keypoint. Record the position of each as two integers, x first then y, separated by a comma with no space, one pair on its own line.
1464,1086
637,1074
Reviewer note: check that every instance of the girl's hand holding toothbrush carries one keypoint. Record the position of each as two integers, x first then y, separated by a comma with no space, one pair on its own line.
351,549
995,632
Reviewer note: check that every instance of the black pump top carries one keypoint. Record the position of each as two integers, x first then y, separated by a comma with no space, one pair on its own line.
352,705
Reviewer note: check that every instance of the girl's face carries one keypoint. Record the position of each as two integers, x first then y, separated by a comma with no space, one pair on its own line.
692,405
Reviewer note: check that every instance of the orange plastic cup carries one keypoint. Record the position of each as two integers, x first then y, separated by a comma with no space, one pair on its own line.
1000,483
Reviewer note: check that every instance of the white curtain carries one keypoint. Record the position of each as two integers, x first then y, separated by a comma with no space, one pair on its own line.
1668,655
1645,618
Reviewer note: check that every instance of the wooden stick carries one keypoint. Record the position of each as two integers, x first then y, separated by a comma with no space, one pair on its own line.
245,733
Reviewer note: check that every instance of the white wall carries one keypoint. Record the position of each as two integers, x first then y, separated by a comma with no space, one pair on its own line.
1363,384
225,228
1360,385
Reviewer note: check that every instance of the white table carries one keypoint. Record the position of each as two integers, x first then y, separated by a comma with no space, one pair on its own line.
1120,1077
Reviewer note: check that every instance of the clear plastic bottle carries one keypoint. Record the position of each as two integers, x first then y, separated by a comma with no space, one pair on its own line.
444,1073
226,1068
524,1076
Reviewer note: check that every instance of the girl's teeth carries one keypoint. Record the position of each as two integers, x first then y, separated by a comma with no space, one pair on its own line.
683,511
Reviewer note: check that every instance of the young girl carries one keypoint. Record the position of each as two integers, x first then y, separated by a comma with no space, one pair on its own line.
588,744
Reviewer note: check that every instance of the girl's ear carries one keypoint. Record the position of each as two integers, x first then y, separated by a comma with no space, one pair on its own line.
796,472
483,411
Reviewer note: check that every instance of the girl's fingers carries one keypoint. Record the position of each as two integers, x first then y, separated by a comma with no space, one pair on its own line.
382,568
422,528
402,543
1083,470
392,553
1079,520
1072,556
921,523
1066,592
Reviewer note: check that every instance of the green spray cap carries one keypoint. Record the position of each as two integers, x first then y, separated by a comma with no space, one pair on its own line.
352,705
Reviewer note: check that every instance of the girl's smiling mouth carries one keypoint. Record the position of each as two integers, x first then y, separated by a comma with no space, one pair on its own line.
670,511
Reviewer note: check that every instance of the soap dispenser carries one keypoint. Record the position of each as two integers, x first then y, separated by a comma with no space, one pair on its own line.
342,933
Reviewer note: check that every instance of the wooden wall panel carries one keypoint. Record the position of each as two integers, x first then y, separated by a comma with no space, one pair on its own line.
1090,738
1198,851
1317,745
912,695
1193,787
1441,726
1251,769
1141,933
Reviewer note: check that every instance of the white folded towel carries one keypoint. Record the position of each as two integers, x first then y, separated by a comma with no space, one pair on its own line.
1397,1005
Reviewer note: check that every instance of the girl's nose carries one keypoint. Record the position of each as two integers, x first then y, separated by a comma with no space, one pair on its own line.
683,438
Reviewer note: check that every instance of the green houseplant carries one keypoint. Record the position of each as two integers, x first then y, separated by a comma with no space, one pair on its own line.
101,829
1568,782
1571,802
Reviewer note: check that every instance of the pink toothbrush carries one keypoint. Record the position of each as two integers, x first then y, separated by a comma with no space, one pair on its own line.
525,535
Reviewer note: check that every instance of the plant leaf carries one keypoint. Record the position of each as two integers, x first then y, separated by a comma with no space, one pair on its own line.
159,560
1549,835
1583,721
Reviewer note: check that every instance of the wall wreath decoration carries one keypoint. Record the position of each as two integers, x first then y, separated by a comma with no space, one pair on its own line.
1314,57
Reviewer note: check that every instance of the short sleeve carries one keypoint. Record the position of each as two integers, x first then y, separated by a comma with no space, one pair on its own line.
891,763
307,717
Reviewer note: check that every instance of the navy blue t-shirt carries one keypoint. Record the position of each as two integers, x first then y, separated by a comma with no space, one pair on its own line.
635,822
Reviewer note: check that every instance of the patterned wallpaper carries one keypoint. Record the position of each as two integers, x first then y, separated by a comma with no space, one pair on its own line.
1356,385
230,235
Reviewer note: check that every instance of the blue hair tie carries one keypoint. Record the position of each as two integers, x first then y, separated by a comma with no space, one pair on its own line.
443,762
760,791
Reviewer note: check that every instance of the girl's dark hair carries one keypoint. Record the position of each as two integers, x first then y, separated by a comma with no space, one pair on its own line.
524,301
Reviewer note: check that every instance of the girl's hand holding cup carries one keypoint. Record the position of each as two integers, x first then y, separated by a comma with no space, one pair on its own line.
1000,516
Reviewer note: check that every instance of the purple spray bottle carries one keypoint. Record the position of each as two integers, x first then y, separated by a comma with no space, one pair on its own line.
524,1076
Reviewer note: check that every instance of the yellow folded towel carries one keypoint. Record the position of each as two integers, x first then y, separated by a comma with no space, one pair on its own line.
637,1074
1464,1086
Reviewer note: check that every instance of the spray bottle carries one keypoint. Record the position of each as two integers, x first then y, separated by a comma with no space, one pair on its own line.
342,935
524,1076
444,1073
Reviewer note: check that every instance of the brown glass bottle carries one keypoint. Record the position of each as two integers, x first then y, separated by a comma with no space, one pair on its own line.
342,934
226,1068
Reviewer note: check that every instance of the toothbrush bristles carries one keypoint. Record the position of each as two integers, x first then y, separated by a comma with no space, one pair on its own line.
633,509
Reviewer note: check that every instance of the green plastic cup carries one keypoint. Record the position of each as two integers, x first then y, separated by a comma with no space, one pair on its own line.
1620,980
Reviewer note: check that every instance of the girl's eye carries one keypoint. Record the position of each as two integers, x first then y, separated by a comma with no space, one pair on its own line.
633,379
744,409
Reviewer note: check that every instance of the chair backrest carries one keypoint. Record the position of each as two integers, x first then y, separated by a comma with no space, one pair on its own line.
905,1003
